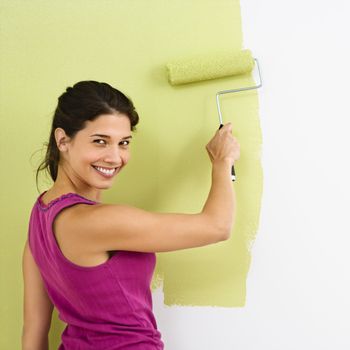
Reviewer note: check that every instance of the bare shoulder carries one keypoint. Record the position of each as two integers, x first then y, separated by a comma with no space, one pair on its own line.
68,227
81,221
83,215
77,217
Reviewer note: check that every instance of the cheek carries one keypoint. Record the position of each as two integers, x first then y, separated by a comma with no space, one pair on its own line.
126,157
89,156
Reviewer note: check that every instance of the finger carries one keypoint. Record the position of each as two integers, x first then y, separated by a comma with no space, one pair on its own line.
227,127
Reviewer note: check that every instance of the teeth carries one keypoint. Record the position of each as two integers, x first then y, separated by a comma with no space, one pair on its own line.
105,171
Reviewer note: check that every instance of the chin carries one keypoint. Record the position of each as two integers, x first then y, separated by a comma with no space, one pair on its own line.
104,187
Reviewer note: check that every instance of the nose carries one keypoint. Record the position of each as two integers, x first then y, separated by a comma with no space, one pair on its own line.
115,156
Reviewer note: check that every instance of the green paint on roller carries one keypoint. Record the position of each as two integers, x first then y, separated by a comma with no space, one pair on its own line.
212,66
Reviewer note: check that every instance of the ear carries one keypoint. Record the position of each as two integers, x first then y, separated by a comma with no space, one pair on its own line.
62,139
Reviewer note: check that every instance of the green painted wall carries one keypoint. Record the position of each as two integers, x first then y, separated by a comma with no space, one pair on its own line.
49,45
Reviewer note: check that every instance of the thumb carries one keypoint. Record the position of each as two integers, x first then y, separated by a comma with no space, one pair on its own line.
229,126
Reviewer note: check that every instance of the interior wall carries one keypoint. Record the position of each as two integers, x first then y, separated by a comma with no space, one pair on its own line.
298,285
48,46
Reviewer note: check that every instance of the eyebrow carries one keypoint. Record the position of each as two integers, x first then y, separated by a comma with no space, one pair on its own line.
108,137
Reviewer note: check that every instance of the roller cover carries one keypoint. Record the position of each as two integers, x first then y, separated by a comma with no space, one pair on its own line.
206,67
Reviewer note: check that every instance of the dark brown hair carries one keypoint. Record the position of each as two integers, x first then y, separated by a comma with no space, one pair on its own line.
86,100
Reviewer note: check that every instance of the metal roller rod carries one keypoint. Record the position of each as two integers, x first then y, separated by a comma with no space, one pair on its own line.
237,90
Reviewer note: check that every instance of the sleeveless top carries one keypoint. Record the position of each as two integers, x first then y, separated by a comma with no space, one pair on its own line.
108,306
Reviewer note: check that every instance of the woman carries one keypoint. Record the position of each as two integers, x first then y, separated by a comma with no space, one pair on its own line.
95,261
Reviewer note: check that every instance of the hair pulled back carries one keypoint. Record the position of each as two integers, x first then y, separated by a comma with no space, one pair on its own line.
83,102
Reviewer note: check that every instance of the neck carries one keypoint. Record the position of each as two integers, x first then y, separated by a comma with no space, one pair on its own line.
65,184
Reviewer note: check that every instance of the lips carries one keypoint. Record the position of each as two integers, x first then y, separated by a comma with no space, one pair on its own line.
106,172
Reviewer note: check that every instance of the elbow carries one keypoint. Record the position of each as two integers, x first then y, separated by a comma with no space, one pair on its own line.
223,231
225,235
217,230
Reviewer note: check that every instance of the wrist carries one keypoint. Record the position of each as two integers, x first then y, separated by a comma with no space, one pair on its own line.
222,162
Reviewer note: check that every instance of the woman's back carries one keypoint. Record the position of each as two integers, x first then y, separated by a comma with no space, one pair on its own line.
108,306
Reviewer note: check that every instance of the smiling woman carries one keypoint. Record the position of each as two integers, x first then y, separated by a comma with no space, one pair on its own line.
96,153
94,262
93,105
123,144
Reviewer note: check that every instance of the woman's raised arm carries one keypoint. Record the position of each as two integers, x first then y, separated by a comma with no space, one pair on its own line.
104,227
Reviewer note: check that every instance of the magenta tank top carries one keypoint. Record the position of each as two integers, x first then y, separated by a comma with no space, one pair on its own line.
105,307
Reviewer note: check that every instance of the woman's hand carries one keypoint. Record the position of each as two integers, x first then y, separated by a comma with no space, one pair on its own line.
223,146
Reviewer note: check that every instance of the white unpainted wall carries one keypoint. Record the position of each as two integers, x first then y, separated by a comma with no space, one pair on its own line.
298,286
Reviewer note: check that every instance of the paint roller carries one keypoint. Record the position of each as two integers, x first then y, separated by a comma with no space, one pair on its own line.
206,67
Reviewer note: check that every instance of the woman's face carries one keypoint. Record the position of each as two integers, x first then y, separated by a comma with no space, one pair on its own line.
97,153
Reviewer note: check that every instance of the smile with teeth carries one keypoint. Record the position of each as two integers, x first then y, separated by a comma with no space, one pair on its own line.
105,171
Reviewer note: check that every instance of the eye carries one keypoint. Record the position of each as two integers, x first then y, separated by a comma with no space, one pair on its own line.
98,141
124,143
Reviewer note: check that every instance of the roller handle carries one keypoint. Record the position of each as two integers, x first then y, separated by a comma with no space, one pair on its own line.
233,174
